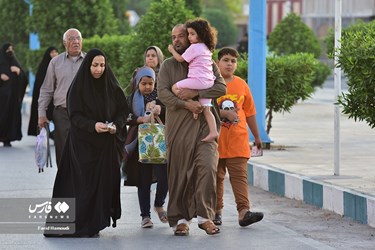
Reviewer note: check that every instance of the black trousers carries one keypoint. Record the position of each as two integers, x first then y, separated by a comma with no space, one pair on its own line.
62,125
144,195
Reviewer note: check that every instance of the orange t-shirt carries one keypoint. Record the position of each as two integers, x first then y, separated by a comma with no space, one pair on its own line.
234,138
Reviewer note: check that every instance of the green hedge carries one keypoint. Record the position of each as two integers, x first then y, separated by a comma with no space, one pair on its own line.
357,60
115,47
292,36
359,26
288,80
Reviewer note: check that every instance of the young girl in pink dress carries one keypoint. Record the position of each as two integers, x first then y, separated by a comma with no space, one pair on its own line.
199,56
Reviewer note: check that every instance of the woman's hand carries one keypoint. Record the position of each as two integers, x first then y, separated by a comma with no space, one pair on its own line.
15,69
112,129
101,127
4,77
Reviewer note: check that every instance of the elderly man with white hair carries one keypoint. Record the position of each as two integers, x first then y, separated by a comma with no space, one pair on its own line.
60,74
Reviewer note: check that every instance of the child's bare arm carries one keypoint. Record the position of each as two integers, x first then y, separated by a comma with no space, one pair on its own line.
176,56
252,123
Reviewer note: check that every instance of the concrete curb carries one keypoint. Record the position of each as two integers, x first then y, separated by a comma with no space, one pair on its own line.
346,202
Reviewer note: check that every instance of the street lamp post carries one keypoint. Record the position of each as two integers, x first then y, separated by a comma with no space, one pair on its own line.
33,45
337,75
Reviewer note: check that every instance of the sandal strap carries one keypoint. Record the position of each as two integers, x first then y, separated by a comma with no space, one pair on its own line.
209,227
182,230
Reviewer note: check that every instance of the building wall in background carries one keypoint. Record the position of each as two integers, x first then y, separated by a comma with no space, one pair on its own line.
317,14
278,9
320,14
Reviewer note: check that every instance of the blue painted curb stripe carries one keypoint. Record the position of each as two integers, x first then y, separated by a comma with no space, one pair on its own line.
276,182
250,174
313,193
355,207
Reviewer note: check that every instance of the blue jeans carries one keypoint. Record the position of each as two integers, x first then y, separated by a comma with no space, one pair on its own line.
147,172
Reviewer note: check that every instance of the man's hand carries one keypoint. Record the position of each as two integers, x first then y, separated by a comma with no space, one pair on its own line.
186,94
194,107
230,115
42,121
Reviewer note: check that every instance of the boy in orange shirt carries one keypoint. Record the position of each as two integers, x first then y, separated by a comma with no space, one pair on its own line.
237,110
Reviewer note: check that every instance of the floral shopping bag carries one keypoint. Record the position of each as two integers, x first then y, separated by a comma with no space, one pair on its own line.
151,142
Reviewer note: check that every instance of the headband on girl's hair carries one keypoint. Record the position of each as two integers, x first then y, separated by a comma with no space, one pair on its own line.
144,71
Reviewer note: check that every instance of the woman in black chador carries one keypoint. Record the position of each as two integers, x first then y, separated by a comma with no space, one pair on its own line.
39,78
90,165
13,82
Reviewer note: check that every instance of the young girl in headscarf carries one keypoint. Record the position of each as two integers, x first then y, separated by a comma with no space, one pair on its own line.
143,100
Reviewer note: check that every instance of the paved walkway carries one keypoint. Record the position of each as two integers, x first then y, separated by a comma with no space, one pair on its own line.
302,152
303,148
19,178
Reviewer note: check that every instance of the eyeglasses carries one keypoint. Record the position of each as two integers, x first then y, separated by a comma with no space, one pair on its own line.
73,38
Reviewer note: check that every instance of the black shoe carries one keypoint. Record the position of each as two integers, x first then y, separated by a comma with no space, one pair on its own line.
217,221
7,144
250,218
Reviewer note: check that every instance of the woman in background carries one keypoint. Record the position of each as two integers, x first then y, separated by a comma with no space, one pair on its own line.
39,78
153,58
13,83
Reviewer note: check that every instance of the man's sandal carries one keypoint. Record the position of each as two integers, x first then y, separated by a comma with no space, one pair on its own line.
182,230
209,227
162,214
